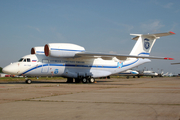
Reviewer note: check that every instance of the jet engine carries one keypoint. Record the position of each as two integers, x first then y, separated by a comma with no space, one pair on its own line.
37,50
62,49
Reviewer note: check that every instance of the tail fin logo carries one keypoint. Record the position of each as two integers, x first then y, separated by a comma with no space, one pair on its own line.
146,43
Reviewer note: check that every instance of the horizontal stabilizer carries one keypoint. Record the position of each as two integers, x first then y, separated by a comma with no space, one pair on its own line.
153,36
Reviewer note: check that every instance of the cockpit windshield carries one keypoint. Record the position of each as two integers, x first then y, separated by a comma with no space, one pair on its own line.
20,60
25,60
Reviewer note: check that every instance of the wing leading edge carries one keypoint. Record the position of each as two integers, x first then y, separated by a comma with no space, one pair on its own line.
119,56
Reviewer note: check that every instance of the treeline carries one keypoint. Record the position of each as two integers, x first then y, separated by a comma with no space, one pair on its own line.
0,69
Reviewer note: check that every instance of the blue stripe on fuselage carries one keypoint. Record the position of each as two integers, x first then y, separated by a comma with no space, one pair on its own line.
31,69
130,63
143,53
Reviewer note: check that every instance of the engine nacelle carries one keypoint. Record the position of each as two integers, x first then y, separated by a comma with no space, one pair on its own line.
37,50
62,49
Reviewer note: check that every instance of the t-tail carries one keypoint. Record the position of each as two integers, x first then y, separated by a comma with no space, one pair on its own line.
145,43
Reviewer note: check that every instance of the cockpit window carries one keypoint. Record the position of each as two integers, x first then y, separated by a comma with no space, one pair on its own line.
20,60
28,60
25,60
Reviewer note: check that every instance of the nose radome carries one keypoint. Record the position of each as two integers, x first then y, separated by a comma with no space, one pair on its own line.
10,69
4,70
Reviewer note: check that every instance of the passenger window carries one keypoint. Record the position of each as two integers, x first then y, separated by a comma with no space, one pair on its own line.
28,60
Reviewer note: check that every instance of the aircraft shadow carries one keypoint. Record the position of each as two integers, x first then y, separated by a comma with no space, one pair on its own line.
49,82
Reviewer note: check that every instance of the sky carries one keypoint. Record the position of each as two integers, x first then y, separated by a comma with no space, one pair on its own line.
97,25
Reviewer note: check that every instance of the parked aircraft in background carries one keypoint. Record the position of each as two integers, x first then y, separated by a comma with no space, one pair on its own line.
169,74
148,73
73,62
129,73
166,74
138,73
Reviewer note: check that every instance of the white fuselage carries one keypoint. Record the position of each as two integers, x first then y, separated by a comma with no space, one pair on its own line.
40,65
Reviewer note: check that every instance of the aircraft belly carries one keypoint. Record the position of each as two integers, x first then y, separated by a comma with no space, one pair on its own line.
93,72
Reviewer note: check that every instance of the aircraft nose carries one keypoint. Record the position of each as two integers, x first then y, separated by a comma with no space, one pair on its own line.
7,70
10,69
4,70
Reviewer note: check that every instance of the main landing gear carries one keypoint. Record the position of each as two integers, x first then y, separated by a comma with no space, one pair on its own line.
70,80
81,80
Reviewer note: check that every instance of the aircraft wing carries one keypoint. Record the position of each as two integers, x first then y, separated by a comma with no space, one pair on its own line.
119,56
174,63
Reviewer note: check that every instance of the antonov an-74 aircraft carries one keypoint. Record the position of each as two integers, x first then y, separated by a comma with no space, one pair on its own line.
73,62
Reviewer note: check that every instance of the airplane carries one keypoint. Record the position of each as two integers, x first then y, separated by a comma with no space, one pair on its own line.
169,75
129,73
73,62
148,73
165,74
138,73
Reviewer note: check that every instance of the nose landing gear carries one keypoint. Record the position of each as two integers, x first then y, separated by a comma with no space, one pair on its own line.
28,81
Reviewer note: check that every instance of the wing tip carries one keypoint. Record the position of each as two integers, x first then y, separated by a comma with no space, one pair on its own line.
172,32
167,58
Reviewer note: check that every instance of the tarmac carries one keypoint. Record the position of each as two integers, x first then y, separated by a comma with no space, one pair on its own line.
108,99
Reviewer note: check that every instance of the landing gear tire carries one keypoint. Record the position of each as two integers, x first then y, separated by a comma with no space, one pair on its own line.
84,80
91,80
28,81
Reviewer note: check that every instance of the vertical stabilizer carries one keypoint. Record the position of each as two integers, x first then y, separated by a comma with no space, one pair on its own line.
145,43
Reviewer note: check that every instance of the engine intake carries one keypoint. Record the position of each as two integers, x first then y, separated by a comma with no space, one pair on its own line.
37,50
62,49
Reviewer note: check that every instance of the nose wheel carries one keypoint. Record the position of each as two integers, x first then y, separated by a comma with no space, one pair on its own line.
28,81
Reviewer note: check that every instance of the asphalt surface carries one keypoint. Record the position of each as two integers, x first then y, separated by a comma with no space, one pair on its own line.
115,99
